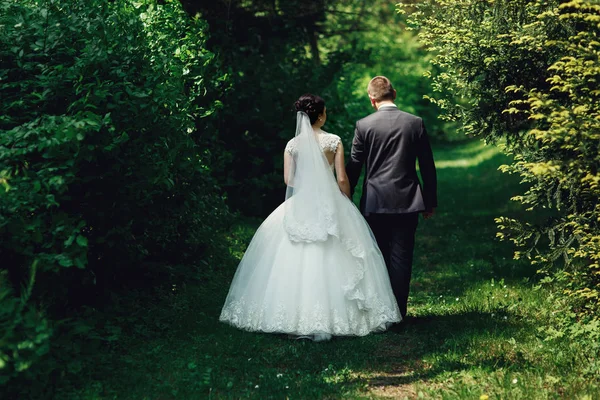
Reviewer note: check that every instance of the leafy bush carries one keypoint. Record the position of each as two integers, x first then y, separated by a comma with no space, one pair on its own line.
104,162
258,117
529,74
276,51
25,332
398,55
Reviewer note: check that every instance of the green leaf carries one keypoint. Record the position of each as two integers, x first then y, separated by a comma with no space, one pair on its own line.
65,262
82,241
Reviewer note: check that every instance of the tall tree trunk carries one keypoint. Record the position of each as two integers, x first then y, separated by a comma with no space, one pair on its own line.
313,37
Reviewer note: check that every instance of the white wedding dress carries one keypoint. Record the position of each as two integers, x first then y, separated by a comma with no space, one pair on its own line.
313,267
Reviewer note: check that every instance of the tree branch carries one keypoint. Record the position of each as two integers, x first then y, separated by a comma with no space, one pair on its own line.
343,31
332,11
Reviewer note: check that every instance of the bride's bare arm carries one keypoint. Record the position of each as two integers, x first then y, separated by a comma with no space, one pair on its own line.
288,167
340,170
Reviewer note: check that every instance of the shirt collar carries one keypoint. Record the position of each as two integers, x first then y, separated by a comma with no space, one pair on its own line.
387,105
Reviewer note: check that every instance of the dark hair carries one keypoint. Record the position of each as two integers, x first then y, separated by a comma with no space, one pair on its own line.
312,105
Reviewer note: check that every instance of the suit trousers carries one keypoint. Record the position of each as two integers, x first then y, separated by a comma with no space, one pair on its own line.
395,235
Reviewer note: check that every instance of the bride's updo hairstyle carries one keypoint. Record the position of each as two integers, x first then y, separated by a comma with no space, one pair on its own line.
312,105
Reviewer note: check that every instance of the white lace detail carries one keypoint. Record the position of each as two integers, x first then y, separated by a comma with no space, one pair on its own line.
257,317
328,141
299,231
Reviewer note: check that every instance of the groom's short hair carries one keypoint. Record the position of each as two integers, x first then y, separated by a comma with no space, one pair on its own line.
380,88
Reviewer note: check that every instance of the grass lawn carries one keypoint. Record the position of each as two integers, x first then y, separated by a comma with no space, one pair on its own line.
473,330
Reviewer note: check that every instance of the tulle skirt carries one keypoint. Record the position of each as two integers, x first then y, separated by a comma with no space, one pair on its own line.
339,286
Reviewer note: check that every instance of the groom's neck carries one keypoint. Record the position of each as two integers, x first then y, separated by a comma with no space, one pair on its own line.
382,103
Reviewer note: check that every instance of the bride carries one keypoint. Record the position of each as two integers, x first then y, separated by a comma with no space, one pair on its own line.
313,268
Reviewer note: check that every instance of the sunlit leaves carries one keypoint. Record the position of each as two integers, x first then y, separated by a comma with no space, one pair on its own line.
531,72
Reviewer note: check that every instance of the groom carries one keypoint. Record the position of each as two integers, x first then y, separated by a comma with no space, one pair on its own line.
389,142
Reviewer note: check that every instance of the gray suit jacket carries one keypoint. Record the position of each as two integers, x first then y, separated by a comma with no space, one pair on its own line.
390,142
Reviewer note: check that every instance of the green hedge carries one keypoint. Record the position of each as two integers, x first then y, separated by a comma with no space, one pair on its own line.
105,159
528,74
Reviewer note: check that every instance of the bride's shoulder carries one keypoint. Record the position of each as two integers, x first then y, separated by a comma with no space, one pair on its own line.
329,141
290,147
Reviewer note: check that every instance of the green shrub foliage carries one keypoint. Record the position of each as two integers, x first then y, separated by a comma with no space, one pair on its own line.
276,51
25,333
264,48
529,73
103,163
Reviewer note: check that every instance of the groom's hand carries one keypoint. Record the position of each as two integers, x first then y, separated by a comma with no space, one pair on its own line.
428,213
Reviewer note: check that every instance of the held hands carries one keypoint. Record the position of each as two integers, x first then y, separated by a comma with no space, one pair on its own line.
428,213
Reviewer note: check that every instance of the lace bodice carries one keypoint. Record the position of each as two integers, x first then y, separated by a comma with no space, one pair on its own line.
328,141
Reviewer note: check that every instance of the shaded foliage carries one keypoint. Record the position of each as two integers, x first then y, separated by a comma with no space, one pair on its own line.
386,47
262,46
98,167
276,51
529,73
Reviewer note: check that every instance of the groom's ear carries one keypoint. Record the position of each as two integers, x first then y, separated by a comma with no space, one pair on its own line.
373,102
394,93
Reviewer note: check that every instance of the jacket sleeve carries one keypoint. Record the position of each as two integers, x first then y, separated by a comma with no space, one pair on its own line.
357,158
427,169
